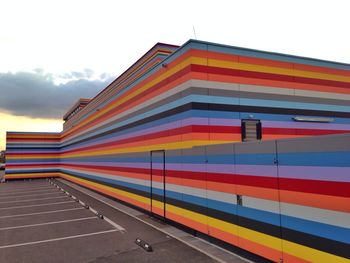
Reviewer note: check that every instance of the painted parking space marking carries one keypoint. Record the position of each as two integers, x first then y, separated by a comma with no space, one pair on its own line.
49,193
25,206
49,223
26,190
31,200
59,239
115,225
112,223
41,213
26,194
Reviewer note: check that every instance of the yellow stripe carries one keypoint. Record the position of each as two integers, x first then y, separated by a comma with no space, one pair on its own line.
158,204
168,146
311,254
276,70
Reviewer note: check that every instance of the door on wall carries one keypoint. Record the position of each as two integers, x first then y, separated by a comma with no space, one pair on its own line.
257,199
158,183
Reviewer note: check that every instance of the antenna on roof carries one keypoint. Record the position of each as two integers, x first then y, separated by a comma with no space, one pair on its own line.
194,32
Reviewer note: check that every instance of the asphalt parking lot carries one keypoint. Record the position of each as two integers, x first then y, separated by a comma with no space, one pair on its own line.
41,223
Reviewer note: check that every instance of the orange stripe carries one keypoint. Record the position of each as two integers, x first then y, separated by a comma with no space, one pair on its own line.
261,250
187,222
268,62
287,258
230,238
315,200
277,84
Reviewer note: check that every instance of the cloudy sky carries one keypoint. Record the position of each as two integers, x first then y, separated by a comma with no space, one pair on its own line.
54,52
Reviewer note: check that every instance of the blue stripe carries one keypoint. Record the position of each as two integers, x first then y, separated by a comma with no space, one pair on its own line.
318,229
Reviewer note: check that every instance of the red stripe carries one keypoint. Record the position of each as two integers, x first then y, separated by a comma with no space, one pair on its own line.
109,168
268,76
315,186
162,134
296,131
298,185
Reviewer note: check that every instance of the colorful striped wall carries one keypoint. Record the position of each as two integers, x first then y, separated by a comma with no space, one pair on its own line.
165,135
32,155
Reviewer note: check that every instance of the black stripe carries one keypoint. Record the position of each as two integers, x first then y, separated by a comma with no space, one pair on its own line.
287,111
120,187
217,107
155,117
323,244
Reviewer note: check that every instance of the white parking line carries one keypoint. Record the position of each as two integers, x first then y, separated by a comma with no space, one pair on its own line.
40,213
38,199
49,193
20,185
26,190
115,225
49,223
24,206
58,239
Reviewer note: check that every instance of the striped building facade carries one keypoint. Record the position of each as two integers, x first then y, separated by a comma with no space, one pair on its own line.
166,137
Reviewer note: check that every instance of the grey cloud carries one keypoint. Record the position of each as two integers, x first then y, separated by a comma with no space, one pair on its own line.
87,74
77,75
36,95
104,76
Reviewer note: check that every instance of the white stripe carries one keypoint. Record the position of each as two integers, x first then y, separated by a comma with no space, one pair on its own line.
325,216
24,206
24,189
18,201
58,239
115,225
25,193
40,213
29,190
29,195
331,217
49,223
